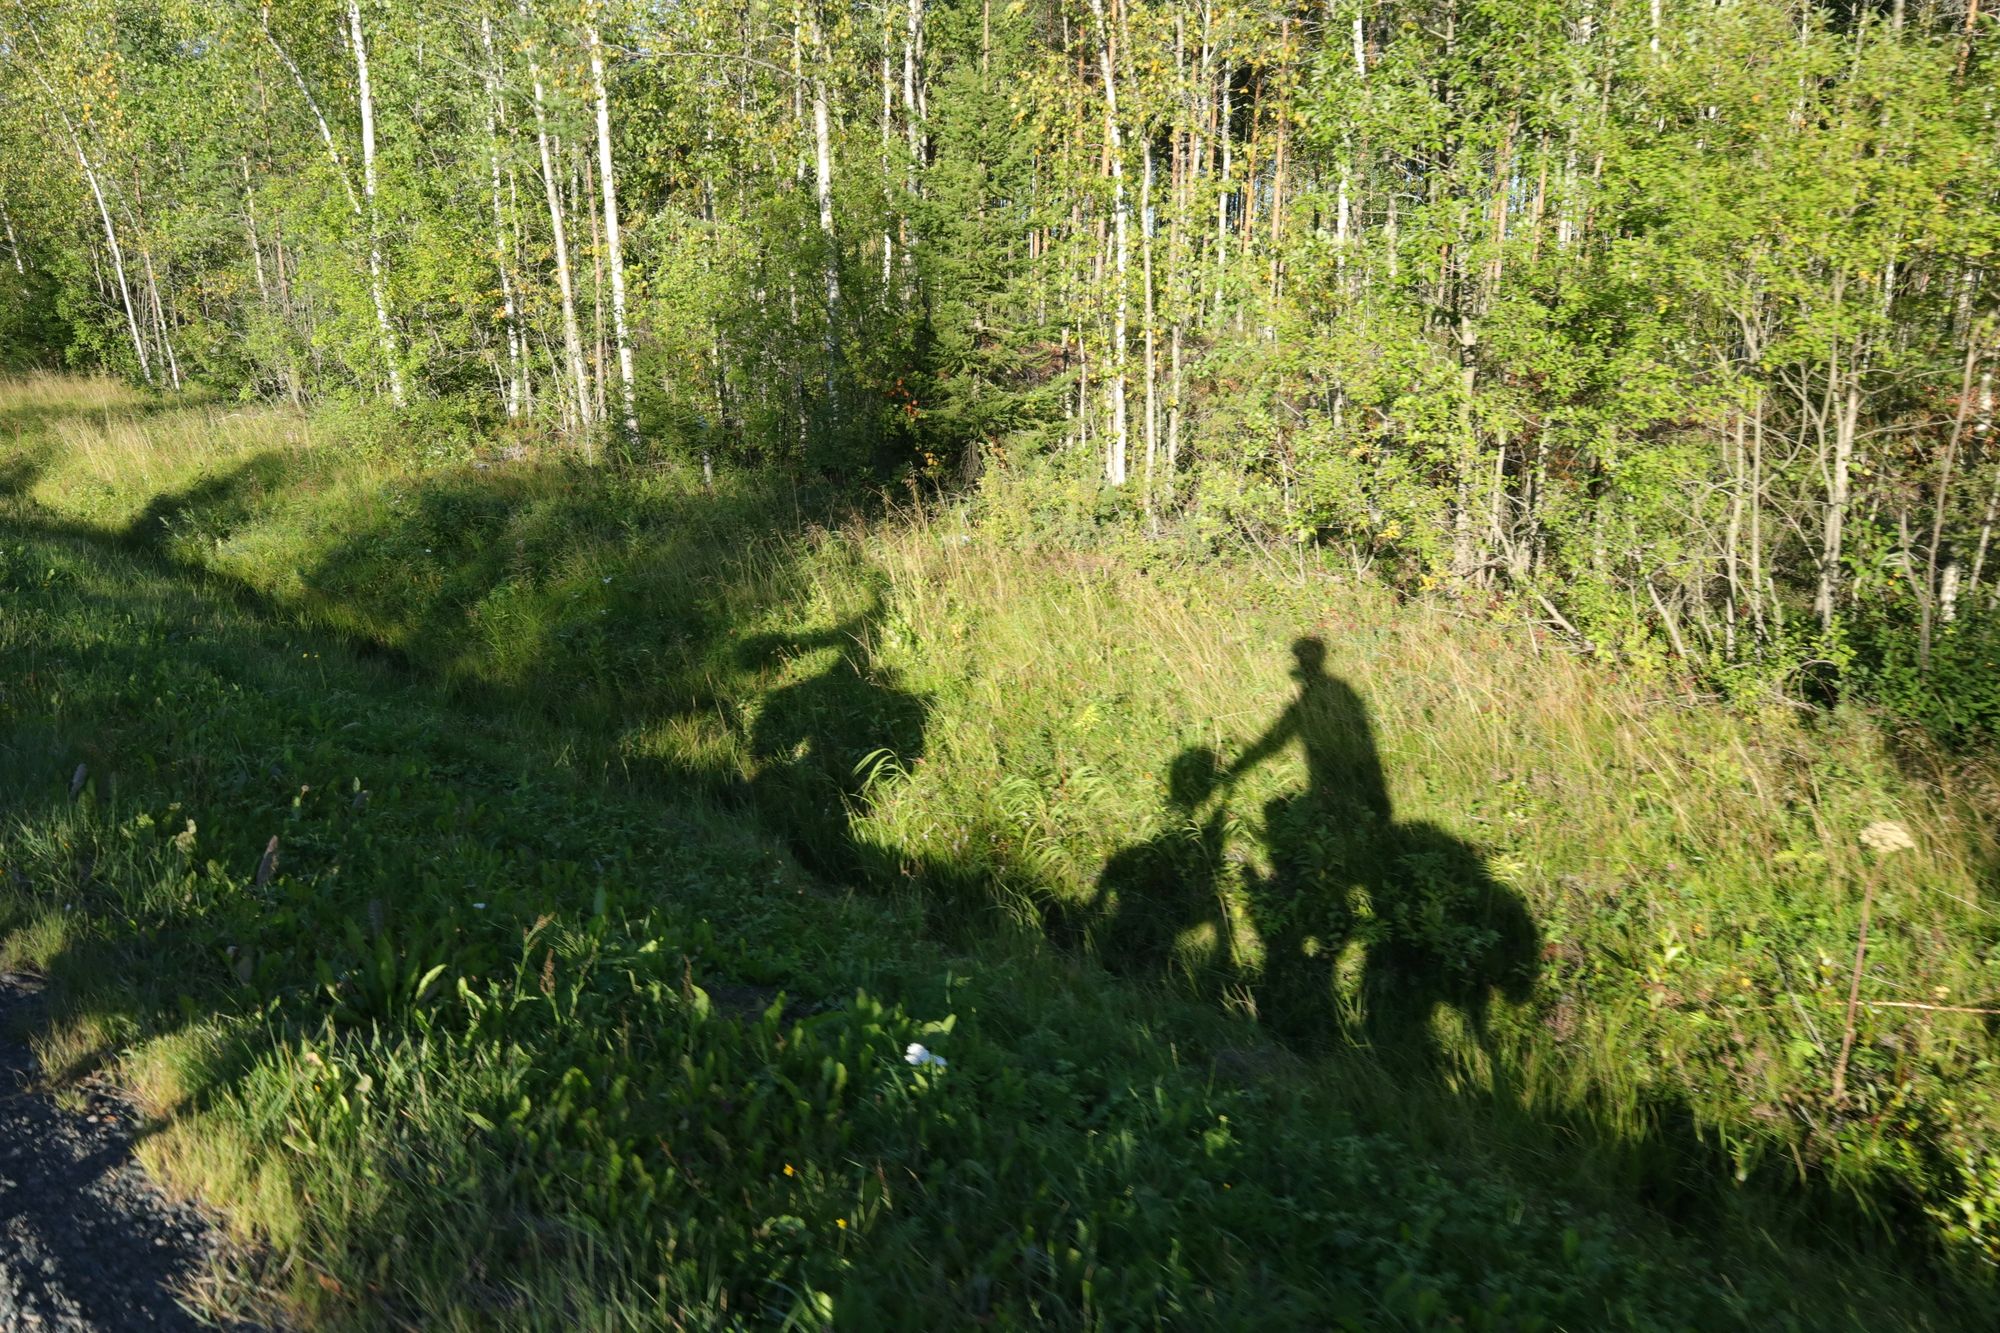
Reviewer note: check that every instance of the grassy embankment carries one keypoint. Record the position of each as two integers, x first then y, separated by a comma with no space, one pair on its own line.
627,834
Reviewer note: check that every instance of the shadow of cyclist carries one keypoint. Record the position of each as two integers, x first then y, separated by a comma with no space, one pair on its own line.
1433,930
813,739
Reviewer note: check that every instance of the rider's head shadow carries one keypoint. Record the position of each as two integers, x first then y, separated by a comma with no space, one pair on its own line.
1192,778
1330,720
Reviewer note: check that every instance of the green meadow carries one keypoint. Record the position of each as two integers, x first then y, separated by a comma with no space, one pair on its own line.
514,891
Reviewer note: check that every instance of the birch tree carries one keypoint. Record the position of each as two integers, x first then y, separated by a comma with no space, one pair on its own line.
615,255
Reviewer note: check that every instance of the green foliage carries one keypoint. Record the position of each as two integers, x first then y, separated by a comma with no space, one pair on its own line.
1666,326
1954,695
1462,337
32,333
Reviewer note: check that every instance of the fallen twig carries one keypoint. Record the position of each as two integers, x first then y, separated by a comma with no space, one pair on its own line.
1934,1008
1562,622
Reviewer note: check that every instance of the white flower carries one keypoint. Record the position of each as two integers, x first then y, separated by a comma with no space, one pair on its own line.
1885,836
479,907
917,1055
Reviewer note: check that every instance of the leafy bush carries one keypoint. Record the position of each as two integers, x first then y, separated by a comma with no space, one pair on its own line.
1955,697
32,330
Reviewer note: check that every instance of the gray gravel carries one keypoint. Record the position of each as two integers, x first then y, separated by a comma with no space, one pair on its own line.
86,1240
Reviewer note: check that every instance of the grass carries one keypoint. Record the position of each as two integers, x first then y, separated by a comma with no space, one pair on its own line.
628,833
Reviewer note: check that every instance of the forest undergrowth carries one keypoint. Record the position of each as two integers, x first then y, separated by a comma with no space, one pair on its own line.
532,896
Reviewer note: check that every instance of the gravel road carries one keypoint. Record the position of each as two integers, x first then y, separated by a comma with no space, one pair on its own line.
86,1241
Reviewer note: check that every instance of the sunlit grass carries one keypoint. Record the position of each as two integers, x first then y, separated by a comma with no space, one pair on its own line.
47,392
971,726
1695,871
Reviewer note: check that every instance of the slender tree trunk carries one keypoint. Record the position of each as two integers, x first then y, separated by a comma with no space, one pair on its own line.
1253,158
582,195
118,268
1115,446
1986,523
1392,239
1757,578
110,234
514,215
1180,279
376,282
1226,139
1934,600
830,261
1847,416
888,137
1152,328
375,288
1982,427
13,242
1278,163
823,188
559,234
614,251
1733,537
798,84
288,307
1463,558
160,317
509,314
250,233
1503,178
913,96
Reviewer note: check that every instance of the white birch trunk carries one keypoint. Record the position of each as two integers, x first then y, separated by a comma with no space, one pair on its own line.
1223,131
13,242
250,231
1986,524
572,337
376,286
110,231
160,318
1833,526
614,251
508,314
319,119
1146,229
117,263
913,109
823,187
1115,447
888,117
